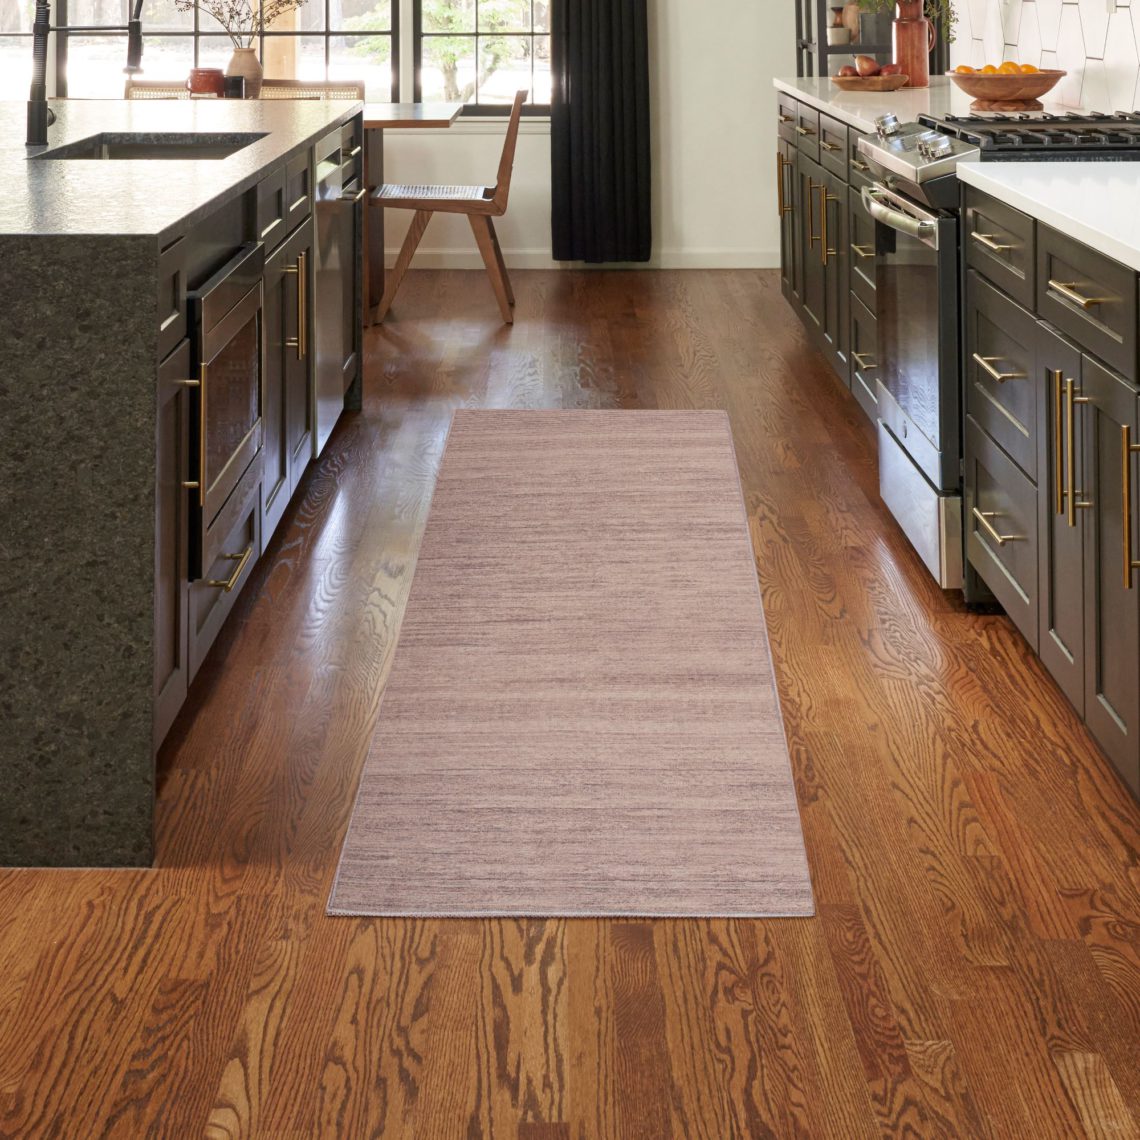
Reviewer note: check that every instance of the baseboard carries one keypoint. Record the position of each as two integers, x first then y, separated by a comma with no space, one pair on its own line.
459,258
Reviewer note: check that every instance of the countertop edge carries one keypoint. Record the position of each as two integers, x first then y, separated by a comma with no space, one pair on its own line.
789,87
989,178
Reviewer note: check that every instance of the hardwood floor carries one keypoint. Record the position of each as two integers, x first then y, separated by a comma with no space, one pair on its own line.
974,967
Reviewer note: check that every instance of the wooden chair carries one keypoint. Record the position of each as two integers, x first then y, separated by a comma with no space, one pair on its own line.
270,89
480,203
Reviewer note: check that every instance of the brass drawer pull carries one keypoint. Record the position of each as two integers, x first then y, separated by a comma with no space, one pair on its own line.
824,198
986,364
990,242
787,118
813,237
355,197
1127,448
1058,440
859,165
355,151
804,131
1071,492
865,363
862,251
783,206
1067,290
984,517
829,146
229,583
300,341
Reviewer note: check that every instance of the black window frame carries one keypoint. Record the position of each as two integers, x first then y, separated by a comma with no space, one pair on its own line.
198,33
474,110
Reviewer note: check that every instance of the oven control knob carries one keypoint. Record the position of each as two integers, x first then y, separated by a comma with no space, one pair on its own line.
937,147
887,125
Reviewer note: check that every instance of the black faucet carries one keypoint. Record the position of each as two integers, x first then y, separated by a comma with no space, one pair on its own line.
40,115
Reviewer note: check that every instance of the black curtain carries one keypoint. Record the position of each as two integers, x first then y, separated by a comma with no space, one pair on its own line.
599,130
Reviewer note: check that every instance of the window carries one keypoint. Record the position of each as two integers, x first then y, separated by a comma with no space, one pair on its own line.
16,48
480,52
323,39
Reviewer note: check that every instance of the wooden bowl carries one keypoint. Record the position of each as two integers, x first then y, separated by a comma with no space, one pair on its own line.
1007,92
870,82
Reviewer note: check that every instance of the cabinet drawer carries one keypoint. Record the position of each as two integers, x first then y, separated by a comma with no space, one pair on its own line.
786,109
298,191
210,605
807,130
270,210
1001,528
833,145
171,297
351,151
1001,376
863,258
864,357
1090,297
1000,245
858,169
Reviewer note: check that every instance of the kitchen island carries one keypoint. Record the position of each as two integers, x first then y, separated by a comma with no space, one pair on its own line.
125,536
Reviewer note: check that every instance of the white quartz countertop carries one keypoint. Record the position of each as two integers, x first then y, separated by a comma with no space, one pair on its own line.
860,109
1095,203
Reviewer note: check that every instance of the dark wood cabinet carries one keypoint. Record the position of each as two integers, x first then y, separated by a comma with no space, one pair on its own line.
1062,530
288,396
864,357
1107,425
171,539
813,286
862,246
787,205
833,245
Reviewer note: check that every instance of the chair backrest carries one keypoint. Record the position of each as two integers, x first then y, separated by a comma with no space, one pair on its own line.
317,89
507,161
270,89
151,89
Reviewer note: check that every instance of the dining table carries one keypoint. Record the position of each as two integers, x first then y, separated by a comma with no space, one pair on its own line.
378,118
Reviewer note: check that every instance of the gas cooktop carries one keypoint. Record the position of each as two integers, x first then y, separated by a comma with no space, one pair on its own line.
1042,137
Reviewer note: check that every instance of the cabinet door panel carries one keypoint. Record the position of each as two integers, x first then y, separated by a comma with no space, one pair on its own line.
809,177
833,238
861,243
1062,571
299,358
275,457
864,358
787,205
1112,611
172,536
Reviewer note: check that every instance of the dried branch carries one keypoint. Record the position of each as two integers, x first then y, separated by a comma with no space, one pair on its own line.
243,20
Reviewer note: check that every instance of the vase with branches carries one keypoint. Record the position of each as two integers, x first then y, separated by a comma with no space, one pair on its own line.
243,21
914,32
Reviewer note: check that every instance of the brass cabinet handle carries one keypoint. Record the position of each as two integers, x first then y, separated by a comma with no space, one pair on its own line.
862,251
199,484
355,197
229,583
986,364
824,198
1071,492
812,236
300,341
1127,447
1068,291
864,362
829,145
984,517
859,165
990,242
787,118
1058,440
804,131
355,151
781,162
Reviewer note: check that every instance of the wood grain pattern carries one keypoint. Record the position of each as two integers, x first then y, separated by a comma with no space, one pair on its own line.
975,971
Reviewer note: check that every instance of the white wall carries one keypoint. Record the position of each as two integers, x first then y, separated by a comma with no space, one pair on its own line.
714,140
1098,49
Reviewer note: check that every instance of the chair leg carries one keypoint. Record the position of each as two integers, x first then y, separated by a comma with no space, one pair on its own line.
502,263
481,228
407,251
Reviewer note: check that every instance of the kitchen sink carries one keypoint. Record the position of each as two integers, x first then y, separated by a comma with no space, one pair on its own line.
111,145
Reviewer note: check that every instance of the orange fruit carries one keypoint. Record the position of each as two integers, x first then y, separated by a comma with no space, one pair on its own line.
989,69
1009,68
964,69
1028,69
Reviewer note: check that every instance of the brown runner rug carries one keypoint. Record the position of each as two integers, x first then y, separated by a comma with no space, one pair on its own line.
581,717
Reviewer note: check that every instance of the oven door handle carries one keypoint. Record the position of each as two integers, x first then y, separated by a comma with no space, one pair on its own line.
925,231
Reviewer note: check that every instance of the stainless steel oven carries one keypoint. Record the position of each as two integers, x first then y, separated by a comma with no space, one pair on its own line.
227,339
918,384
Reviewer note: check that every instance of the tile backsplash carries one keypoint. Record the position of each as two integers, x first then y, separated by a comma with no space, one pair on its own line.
1096,46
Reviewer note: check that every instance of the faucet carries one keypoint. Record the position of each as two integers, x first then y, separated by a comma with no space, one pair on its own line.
40,115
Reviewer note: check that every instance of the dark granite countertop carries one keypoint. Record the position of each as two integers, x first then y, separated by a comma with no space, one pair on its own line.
159,197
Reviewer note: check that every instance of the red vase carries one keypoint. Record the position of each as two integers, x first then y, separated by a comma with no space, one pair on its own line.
912,42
